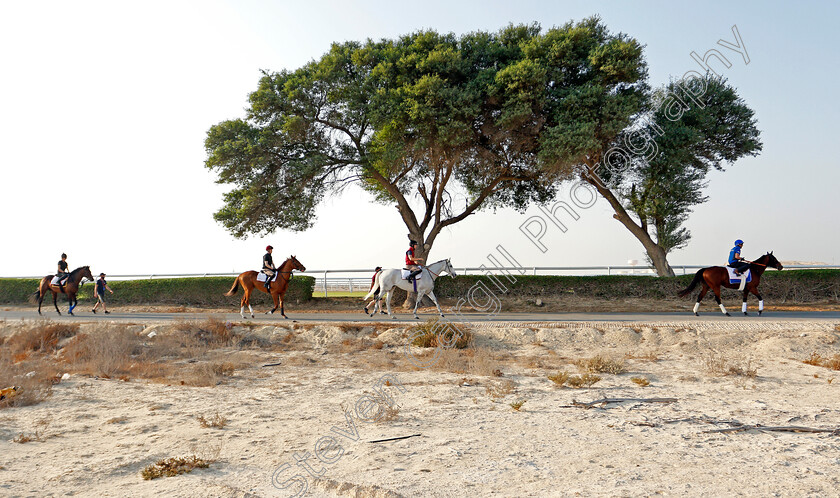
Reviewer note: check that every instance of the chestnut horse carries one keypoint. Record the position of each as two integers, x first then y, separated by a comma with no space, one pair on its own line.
279,286
71,287
716,276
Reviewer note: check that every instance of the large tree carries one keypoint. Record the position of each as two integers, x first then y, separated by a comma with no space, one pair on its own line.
694,126
424,117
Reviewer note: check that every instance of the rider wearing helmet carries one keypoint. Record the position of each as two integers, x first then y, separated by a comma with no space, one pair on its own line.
268,267
736,260
62,269
412,262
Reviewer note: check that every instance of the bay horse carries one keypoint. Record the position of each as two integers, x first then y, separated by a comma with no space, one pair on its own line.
278,286
70,288
716,277
386,280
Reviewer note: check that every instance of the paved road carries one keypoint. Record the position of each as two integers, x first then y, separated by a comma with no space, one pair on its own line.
146,317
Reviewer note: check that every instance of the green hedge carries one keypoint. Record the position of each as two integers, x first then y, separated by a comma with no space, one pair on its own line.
787,286
206,291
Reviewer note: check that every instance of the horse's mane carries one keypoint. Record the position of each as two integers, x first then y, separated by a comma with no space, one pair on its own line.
78,270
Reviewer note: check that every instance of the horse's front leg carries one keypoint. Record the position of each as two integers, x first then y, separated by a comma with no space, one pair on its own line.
282,309
70,305
744,302
760,300
274,298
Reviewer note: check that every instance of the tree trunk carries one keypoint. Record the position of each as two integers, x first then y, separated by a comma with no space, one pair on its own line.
657,255
420,252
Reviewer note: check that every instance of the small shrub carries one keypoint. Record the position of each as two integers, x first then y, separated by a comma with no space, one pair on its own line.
601,364
560,378
585,380
641,381
500,389
816,360
517,405
170,467
433,333
725,365
43,337
216,421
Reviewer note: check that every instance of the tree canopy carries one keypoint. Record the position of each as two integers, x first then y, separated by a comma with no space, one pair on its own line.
501,117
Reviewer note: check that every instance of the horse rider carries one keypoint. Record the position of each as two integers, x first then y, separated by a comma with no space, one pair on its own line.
268,268
736,261
62,270
412,262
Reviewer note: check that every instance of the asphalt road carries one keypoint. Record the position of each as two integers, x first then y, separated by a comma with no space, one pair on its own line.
146,317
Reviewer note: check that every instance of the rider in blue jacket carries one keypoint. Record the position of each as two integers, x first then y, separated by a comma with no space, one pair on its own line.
736,260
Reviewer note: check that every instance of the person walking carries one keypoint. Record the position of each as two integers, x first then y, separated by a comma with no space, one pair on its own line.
99,293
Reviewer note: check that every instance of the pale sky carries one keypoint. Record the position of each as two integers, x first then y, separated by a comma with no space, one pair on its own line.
105,107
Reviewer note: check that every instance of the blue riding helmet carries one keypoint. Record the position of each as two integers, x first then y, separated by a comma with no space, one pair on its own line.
739,242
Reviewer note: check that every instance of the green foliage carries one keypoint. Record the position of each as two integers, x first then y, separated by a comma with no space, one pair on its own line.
786,286
207,291
497,117
662,190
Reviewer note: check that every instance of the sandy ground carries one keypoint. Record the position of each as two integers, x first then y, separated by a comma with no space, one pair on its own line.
97,434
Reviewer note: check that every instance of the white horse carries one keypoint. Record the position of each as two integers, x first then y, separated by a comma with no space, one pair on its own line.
386,280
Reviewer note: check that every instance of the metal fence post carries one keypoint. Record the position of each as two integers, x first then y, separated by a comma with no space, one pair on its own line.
325,283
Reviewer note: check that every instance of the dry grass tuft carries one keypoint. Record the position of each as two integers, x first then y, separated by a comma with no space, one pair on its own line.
640,381
560,378
601,364
209,373
216,421
209,332
434,333
585,380
42,337
170,467
816,360
500,389
517,405
717,363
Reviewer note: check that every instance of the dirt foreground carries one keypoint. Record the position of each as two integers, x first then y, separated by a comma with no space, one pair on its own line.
310,421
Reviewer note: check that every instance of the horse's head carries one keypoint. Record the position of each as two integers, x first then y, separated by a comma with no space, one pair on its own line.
772,261
449,269
296,264
87,274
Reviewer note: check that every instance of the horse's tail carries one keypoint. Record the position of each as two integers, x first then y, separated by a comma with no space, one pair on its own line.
374,290
697,278
233,289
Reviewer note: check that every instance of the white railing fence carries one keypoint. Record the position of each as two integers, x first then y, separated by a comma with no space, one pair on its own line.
327,281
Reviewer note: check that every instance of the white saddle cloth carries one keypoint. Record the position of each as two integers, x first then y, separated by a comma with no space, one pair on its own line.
735,278
54,281
262,276
406,273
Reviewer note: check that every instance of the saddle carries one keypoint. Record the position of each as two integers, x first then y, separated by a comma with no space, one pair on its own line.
56,279
735,279
405,273
262,276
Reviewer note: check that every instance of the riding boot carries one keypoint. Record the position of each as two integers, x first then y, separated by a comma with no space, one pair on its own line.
413,275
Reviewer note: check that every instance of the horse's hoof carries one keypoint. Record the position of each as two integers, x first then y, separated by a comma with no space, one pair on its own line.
252,316
759,313
70,313
727,314
746,314
382,313
416,317
366,311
